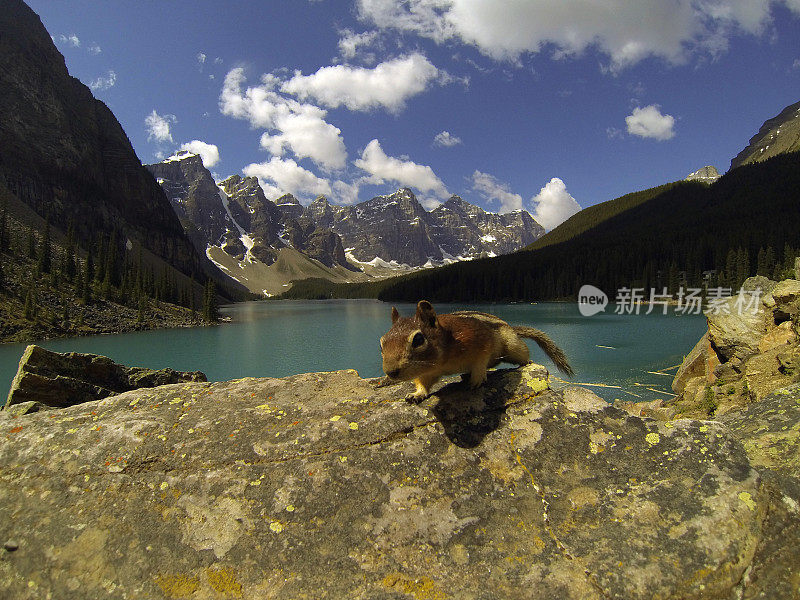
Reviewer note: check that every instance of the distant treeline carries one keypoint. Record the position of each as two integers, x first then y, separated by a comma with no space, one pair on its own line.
688,234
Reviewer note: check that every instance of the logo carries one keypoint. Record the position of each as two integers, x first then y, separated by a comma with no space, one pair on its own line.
591,300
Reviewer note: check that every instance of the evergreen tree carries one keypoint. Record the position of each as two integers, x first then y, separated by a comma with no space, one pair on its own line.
729,279
769,261
2,278
672,279
86,288
112,261
31,243
45,256
69,266
65,314
210,307
761,262
140,314
742,267
29,309
100,270
5,239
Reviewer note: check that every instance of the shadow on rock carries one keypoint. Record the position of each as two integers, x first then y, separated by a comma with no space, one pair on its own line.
468,416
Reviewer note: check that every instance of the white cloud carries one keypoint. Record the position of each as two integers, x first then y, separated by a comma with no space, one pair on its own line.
346,193
554,204
201,58
383,168
218,61
350,42
209,153
71,39
291,124
158,127
387,85
104,83
279,176
496,191
626,31
446,139
94,49
648,122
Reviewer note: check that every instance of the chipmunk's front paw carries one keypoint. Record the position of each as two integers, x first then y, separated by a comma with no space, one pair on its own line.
416,397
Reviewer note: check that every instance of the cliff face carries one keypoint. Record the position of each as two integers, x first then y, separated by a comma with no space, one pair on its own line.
778,135
65,154
326,485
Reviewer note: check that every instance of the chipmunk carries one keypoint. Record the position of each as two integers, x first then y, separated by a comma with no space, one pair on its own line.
428,346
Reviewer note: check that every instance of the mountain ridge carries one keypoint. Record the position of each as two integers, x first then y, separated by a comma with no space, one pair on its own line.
67,156
778,135
382,236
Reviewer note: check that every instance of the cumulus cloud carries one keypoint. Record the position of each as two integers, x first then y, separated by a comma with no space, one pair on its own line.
279,176
446,139
387,85
209,153
350,42
71,39
104,83
292,125
158,127
496,191
625,31
94,49
201,58
648,122
383,168
346,193
553,204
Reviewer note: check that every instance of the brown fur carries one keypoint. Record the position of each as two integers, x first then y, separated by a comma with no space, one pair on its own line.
428,346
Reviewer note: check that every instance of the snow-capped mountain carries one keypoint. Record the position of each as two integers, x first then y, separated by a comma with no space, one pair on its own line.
246,235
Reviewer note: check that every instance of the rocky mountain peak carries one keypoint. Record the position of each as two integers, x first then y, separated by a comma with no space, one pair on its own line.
706,174
778,135
181,155
287,199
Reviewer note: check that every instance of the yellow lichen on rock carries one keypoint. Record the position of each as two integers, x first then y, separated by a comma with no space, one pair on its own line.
177,585
224,582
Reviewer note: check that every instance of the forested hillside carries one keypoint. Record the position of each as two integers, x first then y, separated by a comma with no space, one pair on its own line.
747,222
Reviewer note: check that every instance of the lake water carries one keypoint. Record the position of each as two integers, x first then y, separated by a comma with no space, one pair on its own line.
275,339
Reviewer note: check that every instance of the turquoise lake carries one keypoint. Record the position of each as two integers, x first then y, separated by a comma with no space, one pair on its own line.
275,339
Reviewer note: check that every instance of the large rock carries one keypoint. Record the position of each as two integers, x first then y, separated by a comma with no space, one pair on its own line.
56,379
770,430
698,363
735,330
325,486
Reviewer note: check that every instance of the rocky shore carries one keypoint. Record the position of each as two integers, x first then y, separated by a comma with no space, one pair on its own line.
326,485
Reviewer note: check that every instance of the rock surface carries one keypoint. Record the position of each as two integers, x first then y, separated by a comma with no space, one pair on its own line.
325,486
54,379
746,355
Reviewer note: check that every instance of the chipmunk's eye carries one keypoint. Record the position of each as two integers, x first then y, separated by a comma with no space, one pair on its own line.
418,340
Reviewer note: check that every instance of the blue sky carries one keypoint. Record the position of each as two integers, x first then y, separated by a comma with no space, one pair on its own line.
545,105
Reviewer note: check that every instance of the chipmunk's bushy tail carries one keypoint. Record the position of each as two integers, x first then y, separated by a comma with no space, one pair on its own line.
555,353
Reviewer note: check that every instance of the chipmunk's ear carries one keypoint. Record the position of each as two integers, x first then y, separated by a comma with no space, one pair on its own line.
395,315
425,313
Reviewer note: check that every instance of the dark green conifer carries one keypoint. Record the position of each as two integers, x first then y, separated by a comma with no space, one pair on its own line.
45,256
5,238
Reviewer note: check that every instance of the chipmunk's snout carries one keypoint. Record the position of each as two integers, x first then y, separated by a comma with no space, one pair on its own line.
393,373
